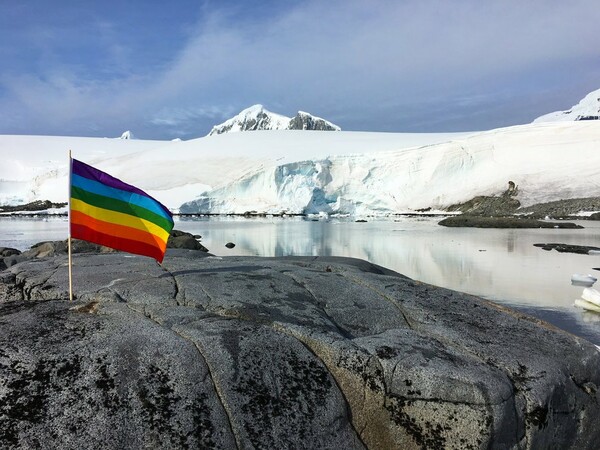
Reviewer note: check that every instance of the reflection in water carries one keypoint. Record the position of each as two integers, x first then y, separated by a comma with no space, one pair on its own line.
510,242
498,264
501,265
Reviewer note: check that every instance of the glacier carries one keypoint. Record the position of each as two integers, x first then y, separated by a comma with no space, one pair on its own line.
314,172
547,161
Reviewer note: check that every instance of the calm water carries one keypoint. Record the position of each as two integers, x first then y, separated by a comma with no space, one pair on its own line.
501,265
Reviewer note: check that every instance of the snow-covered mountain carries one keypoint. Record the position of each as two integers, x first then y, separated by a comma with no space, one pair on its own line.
258,118
587,109
127,135
298,172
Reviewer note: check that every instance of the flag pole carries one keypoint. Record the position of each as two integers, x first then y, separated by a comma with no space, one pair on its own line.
69,238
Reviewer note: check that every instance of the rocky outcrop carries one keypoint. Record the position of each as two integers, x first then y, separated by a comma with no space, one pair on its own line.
563,208
482,205
502,222
568,248
38,205
182,239
305,352
306,121
10,256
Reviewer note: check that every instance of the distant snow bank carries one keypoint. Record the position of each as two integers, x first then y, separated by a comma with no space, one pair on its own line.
312,172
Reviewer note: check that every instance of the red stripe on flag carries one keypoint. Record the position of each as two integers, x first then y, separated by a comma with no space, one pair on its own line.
119,231
118,243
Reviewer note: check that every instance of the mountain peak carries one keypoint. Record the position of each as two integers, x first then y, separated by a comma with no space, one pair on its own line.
257,117
587,109
127,135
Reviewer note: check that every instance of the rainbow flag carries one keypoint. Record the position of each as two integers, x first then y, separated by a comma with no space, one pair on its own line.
109,212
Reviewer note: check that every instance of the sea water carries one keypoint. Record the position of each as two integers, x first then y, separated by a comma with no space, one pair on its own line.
501,265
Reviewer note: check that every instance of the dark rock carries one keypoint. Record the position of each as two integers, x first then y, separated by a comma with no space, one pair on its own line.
568,248
182,239
7,251
38,205
563,208
507,205
310,352
502,222
304,121
177,239
230,245
482,205
8,257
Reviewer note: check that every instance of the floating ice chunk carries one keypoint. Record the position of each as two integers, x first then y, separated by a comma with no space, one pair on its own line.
583,280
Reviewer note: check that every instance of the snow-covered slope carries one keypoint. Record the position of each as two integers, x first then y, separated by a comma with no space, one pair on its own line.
299,172
587,109
258,118
35,167
547,161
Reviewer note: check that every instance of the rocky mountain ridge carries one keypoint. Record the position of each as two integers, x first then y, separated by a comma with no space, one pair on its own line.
257,117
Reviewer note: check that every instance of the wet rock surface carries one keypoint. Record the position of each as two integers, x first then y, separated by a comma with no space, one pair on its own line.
305,352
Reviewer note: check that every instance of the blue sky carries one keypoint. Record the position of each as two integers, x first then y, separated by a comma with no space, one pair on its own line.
174,69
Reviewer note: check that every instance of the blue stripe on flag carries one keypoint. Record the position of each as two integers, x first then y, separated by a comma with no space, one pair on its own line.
101,189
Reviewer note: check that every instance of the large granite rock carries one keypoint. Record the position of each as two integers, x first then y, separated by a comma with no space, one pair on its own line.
245,352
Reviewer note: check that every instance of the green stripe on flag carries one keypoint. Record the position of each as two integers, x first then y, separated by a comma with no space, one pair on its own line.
113,204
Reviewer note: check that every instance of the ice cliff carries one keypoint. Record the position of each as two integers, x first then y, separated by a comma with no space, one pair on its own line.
547,161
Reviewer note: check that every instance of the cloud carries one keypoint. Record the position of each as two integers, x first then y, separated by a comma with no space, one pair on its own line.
358,55
184,121
378,64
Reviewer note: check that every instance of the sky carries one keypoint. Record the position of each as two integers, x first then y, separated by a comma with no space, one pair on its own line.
168,70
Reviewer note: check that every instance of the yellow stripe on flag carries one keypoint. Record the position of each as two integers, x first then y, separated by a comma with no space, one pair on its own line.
119,218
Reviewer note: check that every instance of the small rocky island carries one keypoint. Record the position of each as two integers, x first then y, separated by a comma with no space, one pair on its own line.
294,352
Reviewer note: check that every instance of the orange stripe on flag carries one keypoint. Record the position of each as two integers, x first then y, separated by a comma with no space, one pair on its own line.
116,230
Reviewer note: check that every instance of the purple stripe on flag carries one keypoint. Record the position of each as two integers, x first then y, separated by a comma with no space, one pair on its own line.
91,173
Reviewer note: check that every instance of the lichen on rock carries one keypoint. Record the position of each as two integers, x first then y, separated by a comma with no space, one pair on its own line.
296,352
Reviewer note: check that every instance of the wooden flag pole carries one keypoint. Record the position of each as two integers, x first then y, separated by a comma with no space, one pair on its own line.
69,238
